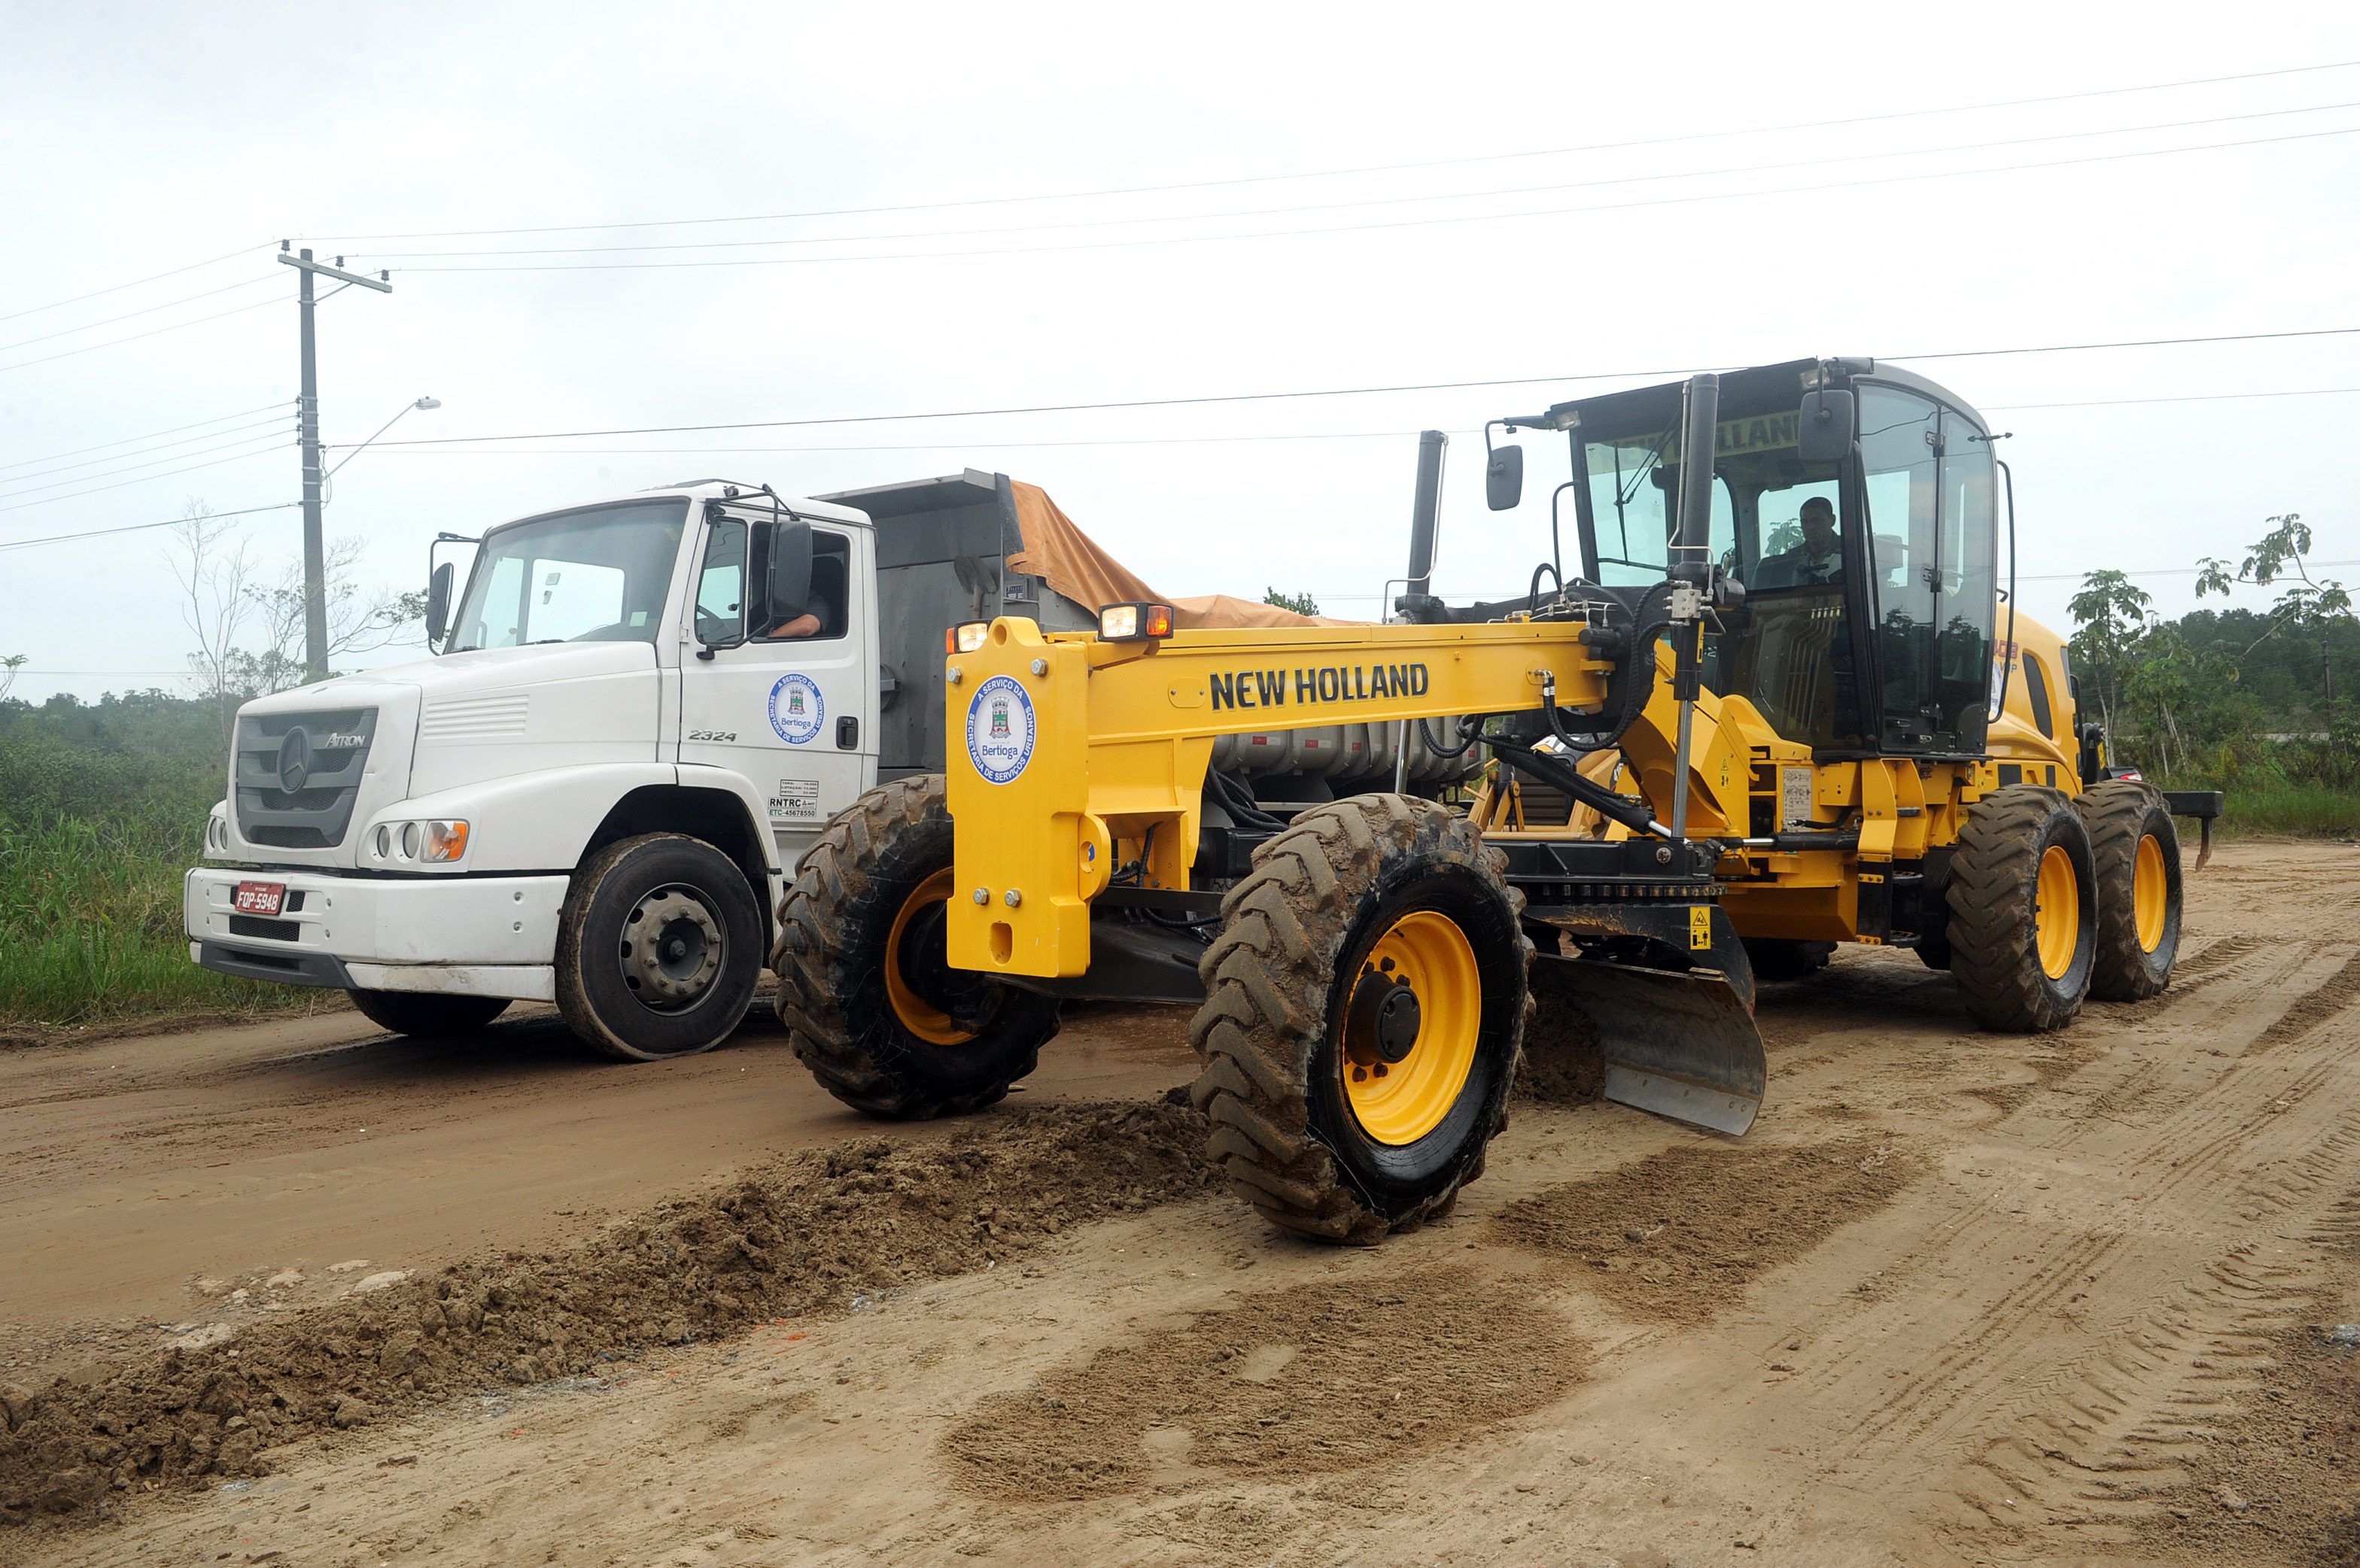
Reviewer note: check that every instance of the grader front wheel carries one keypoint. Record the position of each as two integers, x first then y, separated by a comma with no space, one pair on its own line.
1364,1013
872,1006
2024,910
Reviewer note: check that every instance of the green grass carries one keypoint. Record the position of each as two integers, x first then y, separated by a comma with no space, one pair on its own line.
90,929
102,809
2284,809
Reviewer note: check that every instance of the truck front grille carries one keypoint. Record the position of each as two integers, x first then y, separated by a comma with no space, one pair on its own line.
295,776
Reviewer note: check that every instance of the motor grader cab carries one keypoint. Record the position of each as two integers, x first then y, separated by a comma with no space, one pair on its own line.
1775,706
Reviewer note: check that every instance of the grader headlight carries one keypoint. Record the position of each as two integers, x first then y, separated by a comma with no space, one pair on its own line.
965,637
1134,622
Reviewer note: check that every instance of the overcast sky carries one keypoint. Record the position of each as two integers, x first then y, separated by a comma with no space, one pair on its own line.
1492,233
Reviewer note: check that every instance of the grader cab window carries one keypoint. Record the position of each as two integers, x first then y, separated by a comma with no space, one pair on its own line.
1928,484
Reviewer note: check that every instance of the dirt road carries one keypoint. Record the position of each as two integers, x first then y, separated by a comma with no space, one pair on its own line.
1959,1297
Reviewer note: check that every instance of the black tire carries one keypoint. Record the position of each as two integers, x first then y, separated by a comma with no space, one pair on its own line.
684,988
2131,840
895,1033
1777,958
1998,913
425,1014
1281,982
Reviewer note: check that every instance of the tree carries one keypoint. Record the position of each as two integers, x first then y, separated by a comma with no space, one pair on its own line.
214,578
1302,604
2313,607
8,668
2110,615
225,599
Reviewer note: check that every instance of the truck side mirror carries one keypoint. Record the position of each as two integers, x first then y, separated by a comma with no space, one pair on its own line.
438,604
790,569
1823,433
1503,478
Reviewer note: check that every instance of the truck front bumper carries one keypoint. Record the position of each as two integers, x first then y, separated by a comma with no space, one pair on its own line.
478,936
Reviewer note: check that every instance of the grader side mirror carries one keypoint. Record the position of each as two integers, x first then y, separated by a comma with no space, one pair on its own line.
1503,478
1823,433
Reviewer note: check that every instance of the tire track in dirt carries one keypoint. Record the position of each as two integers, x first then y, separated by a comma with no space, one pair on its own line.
2313,1007
1995,1400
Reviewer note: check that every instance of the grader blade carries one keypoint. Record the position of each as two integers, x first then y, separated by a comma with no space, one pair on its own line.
1680,1045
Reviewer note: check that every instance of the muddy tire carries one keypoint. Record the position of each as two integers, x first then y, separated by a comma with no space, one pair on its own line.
2024,913
1782,960
1364,1018
426,1016
659,944
872,1008
2135,849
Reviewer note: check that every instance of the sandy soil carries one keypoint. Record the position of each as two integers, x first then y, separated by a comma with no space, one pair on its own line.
1959,1297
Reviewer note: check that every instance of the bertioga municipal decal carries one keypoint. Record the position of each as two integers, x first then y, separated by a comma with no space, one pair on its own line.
796,708
999,728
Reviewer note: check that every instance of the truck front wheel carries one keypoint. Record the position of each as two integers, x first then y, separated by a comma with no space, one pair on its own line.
658,948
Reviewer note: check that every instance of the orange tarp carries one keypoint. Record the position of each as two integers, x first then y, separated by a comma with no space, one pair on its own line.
1070,561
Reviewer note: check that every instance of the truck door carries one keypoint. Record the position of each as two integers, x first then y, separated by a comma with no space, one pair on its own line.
788,705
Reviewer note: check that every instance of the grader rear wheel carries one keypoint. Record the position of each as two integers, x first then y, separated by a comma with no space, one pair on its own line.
2023,910
1365,1016
2135,850
872,1007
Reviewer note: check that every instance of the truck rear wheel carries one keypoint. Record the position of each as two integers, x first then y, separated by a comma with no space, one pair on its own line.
865,988
658,948
2135,849
1364,1016
427,1015
2024,911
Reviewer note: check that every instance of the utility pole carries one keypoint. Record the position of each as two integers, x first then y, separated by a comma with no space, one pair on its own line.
315,547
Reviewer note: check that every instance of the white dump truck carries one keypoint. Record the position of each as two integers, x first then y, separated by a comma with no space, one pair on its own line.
642,712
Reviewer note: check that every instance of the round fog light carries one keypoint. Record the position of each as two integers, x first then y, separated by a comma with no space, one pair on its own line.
384,843
410,841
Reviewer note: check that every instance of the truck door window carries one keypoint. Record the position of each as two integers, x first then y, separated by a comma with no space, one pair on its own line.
830,599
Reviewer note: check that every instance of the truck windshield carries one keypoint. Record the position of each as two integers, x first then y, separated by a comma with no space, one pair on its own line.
596,576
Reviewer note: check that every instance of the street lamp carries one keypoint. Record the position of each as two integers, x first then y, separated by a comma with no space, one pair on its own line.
421,403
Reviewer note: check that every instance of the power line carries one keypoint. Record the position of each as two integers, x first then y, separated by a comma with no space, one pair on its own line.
1404,222
1321,392
277,418
119,288
1210,441
1381,201
111,342
1367,169
139,527
127,315
126,441
96,489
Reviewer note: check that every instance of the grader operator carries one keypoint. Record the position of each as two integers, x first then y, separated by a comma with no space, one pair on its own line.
1782,704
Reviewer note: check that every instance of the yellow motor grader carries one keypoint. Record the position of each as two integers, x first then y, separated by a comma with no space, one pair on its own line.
1781,703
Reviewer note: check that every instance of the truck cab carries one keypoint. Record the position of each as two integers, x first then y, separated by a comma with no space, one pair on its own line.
641,712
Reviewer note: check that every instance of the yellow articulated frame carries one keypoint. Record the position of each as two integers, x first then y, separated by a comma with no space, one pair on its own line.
1068,757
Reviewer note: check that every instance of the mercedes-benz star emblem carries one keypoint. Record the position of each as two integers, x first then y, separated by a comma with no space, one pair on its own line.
294,761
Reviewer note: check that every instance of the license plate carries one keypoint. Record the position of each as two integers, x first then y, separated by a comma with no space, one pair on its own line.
259,897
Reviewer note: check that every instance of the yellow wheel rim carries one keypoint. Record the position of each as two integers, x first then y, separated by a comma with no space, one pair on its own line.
1399,1102
2150,893
920,1016
2057,912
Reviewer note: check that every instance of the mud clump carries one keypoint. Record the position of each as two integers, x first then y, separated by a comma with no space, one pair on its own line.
799,1235
1308,1379
1679,1236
